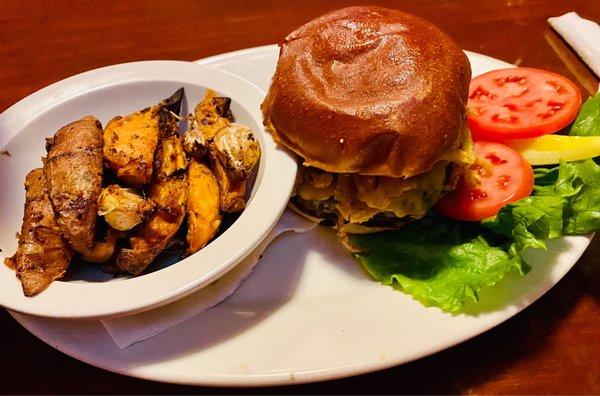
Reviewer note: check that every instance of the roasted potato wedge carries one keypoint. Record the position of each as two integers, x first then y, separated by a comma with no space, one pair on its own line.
210,115
130,142
43,254
73,172
103,250
203,206
168,192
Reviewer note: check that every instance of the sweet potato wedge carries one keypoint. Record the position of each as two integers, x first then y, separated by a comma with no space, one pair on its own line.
203,206
168,192
130,142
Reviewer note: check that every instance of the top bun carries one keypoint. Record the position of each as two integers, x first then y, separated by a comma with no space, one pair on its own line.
369,90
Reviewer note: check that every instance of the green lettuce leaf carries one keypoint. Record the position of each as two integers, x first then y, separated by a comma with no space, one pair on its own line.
529,222
438,261
545,176
579,184
588,120
445,263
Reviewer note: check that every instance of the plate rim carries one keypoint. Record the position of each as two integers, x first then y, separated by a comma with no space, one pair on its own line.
277,176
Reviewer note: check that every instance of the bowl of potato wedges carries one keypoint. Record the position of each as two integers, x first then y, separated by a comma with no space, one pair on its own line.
127,187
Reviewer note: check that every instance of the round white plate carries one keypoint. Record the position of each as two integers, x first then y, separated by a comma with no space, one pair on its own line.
105,93
307,312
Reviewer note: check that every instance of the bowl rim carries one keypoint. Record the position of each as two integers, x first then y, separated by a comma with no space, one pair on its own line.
96,300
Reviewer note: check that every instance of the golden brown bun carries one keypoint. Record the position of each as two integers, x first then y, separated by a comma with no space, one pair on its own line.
369,90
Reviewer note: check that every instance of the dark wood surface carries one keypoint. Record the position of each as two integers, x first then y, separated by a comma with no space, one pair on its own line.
551,347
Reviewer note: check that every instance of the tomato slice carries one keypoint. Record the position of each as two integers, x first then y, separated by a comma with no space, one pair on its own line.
519,103
504,177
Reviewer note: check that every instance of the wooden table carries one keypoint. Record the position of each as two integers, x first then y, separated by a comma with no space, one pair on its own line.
551,347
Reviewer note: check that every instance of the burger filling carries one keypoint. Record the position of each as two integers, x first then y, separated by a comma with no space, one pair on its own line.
356,203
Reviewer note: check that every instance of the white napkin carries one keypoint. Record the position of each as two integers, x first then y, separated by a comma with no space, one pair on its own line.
581,34
128,330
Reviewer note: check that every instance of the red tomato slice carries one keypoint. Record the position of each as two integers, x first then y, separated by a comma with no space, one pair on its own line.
506,177
520,103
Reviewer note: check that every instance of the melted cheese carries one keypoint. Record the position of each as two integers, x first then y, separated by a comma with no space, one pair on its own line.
315,185
359,197
362,197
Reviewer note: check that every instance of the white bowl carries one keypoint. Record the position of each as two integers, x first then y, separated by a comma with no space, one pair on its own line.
119,90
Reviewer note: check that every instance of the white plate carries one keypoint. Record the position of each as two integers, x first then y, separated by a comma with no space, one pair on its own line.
308,312
105,93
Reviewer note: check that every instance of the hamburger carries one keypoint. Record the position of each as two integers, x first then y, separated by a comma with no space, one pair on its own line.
373,101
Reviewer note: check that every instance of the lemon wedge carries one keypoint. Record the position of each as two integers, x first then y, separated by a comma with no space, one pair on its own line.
551,149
